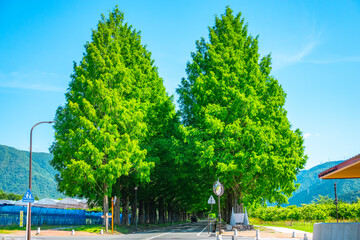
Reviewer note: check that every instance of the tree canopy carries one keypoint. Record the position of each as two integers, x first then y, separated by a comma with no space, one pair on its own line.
119,129
114,106
234,116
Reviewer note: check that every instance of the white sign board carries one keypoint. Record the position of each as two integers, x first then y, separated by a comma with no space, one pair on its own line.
239,218
211,200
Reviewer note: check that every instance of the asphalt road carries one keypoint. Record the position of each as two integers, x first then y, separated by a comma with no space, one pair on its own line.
189,231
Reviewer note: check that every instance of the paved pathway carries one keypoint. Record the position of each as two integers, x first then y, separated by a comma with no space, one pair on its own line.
187,231
298,233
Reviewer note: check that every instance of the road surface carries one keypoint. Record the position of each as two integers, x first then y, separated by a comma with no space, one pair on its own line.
188,231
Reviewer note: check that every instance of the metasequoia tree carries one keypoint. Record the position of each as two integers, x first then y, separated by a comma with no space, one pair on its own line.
234,117
115,107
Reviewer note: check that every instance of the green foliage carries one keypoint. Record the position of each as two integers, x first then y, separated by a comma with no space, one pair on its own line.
14,173
94,209
298,225
323,209
10,196
235,123
116,107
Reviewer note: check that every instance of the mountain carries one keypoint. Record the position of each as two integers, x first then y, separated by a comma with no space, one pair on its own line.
14,173
311,186
14,178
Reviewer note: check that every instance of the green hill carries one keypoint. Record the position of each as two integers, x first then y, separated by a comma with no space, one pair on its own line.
14,173
311,186
14,178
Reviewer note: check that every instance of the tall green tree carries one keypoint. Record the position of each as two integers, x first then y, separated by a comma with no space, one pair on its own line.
102,130
234,116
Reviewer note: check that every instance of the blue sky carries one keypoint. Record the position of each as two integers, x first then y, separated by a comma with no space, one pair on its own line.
314,46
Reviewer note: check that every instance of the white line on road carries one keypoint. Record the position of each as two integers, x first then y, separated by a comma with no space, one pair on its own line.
157,236
201,231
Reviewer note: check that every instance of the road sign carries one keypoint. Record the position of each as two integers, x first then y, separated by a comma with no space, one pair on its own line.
28,197
218,188
211,200
21,224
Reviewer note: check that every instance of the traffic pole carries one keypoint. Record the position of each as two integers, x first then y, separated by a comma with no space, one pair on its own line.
219,215
112,215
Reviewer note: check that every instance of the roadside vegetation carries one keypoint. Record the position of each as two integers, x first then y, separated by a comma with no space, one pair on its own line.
12,196
304,217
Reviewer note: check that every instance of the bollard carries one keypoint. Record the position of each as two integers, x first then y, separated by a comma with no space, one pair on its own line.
257,234
73,232
293,235
305,237
101,231
38,231
235,237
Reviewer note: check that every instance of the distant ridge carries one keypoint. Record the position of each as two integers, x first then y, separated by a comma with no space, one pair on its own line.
14,178
14,173
311,186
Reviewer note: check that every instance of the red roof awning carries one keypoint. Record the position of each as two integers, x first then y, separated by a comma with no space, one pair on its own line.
347,169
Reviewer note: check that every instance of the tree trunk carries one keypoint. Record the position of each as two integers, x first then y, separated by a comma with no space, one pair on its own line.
176,216
238,208
152,211
170,214
141,212
161,211
125,212
147,211
105,207
133,212
228,209
117,212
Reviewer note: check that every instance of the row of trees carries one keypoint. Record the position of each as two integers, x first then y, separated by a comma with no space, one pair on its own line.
323,209
119,129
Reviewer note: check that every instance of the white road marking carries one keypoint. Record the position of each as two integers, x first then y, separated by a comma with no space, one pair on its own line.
201,231
157,236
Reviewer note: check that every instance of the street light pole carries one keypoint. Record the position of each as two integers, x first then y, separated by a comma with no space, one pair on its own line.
28,224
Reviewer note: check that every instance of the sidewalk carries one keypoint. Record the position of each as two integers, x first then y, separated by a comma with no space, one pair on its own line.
272,233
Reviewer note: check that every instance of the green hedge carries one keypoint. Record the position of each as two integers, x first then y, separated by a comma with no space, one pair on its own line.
322,209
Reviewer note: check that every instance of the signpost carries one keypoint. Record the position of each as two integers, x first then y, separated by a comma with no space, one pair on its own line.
29,198
106,216
218,189
113,201
21,224
210,201
112,214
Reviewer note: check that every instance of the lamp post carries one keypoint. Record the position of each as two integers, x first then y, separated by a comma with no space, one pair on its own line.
136,208
28,224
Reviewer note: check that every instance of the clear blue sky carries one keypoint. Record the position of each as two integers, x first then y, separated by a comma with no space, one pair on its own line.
314,45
